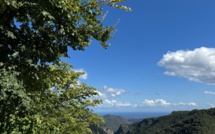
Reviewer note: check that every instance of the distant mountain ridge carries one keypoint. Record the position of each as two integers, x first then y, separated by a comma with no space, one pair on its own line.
111,125
181,122
114,121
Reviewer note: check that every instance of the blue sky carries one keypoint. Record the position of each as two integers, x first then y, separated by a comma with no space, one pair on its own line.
161,59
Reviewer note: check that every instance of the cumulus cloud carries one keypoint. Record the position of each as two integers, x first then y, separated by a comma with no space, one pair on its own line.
114,91
196,65
108,92
186,104
192,104
115,103
156,102
209,92
161,102
83,76
102,95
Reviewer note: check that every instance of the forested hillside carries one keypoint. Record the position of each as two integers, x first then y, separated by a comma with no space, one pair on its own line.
181,122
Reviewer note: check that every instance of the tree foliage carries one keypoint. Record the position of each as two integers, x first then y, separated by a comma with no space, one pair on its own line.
38,92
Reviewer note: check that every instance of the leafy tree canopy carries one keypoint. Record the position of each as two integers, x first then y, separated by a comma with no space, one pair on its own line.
38,92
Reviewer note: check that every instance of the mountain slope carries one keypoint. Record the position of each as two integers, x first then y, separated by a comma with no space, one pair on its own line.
111,125
182,122
114,122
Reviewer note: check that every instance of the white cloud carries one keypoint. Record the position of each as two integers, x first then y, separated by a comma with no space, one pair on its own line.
192,104
196,65
102,95
161,102
114,91
209,92
83,76
107,92
156,102
115,103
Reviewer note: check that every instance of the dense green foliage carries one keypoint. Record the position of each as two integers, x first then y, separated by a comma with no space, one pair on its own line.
38,92
182,122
